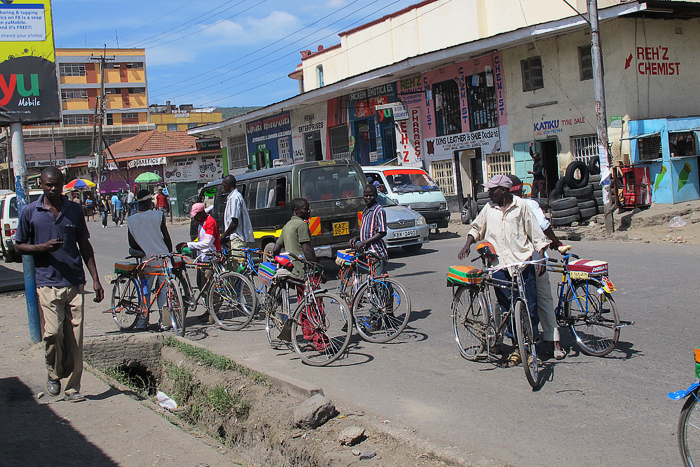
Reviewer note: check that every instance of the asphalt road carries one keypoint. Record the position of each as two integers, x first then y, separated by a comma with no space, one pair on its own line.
610,411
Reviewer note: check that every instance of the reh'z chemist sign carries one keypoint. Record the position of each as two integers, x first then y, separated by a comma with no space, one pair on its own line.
28,80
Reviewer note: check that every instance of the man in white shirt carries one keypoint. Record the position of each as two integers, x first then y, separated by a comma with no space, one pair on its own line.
239,229
148,232
545,303
511,227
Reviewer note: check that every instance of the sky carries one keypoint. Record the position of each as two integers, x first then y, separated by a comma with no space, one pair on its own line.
215,53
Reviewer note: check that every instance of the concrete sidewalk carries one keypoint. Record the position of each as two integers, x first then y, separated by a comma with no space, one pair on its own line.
108,429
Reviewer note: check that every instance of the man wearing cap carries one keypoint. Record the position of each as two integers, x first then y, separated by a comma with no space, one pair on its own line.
545,303
511,227
148,232
239,229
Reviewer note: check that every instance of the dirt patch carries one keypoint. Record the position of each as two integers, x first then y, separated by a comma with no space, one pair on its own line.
242,411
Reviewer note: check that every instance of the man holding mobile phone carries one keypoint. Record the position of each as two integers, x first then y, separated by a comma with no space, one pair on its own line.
53,230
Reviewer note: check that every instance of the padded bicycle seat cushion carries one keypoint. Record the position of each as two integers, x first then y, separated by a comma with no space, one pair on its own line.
124,267
459,275
344,256
588,266
266,271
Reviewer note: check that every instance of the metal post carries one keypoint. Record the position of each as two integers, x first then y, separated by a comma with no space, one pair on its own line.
20,167
601,115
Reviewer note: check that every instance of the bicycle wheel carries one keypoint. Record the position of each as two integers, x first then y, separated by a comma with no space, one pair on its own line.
469,322
526,342
381,310
176,306
183,283
593,318
276,314
232,301
126,301
317,328
689,430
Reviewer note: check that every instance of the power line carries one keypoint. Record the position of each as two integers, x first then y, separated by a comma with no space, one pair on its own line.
156,20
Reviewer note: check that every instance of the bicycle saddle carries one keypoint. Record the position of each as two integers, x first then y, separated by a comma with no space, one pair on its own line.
136,253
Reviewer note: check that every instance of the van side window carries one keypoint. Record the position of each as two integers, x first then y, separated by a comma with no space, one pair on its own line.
277,193
330,182
252,196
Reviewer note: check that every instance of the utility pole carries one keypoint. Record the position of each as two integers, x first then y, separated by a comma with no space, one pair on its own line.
601,115
98,154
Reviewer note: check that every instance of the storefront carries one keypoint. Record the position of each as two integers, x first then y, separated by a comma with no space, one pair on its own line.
670,148
309,133
372,141
269,139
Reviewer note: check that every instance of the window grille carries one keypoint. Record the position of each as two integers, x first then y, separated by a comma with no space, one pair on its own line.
585,63
497,164
532,73
238,154
584,147
448,110
340,143
481,94
71,69
649,148
443,174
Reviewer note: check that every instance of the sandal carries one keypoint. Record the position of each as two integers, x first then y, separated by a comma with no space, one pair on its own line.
559,354
514,359
529,361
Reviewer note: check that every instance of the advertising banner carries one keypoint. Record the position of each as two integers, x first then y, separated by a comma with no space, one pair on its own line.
200,168
28,79
444,146
408,139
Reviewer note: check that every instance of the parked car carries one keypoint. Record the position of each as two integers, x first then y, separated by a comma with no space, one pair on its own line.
412,187
405,228
9,220
333,188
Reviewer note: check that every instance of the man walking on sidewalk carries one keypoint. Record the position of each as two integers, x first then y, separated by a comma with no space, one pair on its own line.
53,230
239,229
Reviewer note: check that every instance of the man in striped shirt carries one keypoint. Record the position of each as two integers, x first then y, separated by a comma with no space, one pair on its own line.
372,230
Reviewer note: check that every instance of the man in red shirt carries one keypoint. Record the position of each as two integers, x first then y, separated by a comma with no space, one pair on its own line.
208,243
162,201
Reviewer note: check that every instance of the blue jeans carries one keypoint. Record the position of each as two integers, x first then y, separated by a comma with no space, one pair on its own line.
530,283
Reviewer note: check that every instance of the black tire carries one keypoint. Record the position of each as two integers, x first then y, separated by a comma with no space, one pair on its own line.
176,307
482,195
469,211
594,166
526,342
564,203
558,188
328,315
601,208
594,179
381,310
127,301
559,213
593,318
481,204
276,313
587,213
587,204
688,433
563,221
469,322
232,301
412,249
8,257
543,202
576,175
583,192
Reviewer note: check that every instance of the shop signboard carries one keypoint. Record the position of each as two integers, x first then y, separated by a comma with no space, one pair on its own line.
444,146
113,180
200,168
408,139
28,78
266,135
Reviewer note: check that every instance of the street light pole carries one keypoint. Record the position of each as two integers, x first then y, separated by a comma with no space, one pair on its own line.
600,113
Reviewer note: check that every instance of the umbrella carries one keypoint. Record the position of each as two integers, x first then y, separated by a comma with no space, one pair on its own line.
78,184
148,177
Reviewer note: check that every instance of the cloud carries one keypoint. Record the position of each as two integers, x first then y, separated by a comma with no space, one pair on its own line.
335,3
253,30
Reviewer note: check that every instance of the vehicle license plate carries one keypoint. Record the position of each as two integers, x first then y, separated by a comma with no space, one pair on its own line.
432,226
405,233
341,228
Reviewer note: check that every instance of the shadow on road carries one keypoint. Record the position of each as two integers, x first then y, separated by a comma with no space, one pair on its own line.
35,435
422,314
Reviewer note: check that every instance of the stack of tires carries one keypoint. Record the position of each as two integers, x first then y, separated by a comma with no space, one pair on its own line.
482,198
583,195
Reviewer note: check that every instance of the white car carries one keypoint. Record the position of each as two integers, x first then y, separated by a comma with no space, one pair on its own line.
9,219
405,228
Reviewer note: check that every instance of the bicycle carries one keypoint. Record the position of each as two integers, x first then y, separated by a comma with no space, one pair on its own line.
228,296
586,305
316,329
130,291
689,420
380,306
476,327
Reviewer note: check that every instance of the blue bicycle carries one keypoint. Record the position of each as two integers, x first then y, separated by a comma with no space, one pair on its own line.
689,421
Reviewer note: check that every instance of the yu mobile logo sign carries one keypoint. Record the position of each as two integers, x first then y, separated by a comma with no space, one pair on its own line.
28,80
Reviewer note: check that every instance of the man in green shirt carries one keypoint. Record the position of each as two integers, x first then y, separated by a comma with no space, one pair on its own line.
296,236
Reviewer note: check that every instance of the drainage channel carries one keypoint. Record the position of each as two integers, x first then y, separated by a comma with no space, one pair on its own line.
262,419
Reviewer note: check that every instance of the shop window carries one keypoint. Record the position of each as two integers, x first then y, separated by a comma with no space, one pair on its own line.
532,73
238,154
443,174
585,63
584,147
682,144
447,108
649,148
71,69
340,143
497,164
481,95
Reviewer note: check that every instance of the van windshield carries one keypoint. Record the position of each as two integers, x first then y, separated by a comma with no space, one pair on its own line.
410,182
330,182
